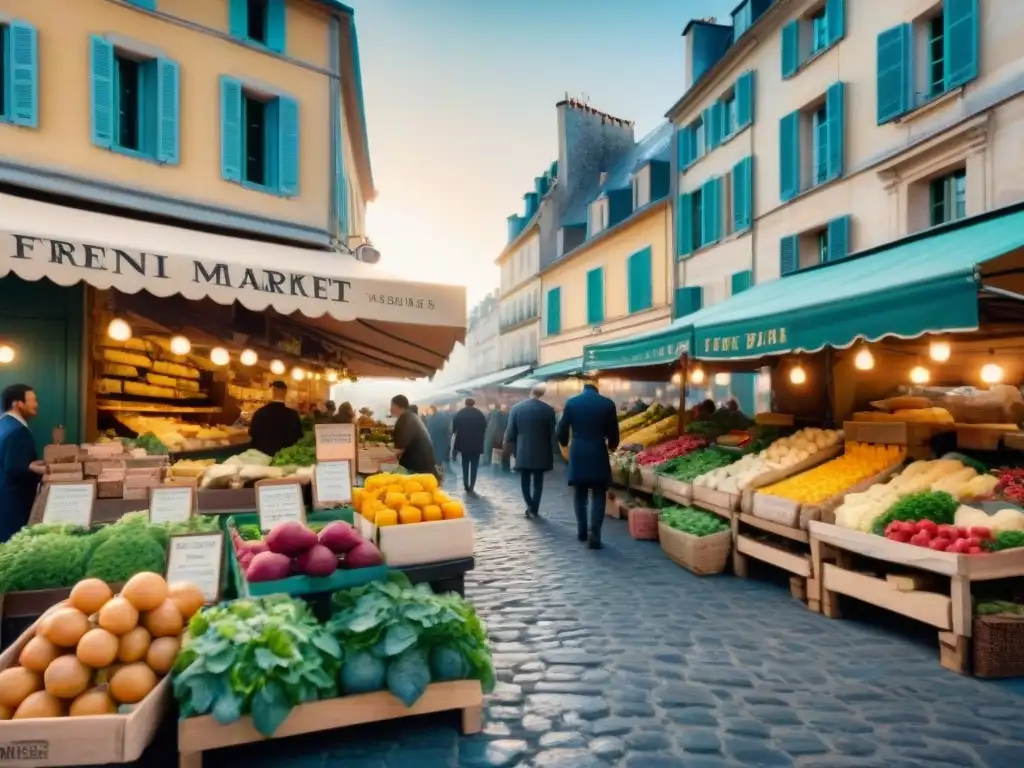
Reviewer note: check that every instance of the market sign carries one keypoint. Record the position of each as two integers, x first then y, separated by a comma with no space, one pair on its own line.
754,343
662,349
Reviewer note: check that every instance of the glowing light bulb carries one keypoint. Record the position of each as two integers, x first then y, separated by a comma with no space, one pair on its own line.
119,330
276,367
991,373
697,376
316,377
722,379
248,357
219,356
797,375
919,375
180,345
864,361
298,374
332,376
939,351
6,354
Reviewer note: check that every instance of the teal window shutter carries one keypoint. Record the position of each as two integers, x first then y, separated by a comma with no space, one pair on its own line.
789,254
101,68
744,100
687,300
895,86
168,107
835,107
230,129
149,5
288,146
554,314
711,205
238,18
684,225
24,74
743,194
680,148
789,156
790,49
710,128
595,296
960,41
838,238
741,281
686,139
640,291
835,18
276,26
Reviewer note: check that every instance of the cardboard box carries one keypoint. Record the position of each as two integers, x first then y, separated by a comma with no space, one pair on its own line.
421,543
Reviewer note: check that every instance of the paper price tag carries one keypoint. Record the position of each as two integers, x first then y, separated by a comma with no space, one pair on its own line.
174,504
197,558
335,442
69,503
278,501
332,482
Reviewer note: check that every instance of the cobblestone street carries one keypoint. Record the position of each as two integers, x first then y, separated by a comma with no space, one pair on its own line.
621,658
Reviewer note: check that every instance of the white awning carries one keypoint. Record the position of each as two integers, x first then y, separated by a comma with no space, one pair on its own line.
418,322
490,379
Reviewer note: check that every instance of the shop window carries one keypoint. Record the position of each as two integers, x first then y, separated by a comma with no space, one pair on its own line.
948,198
259,22
259,139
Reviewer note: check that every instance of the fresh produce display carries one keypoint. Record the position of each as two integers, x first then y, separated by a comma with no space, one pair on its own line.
652,434
910,415
860,510
1005,540
860,462
293,548
47,556
151,444
719,423
97,653
302,454
264,657
1010,484
693,521
941,538
693,465
659,454
1004,520
935,506
388,499
654,414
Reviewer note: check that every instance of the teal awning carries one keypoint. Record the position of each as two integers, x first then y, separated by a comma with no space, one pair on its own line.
491,379
925,284
562,368
657,347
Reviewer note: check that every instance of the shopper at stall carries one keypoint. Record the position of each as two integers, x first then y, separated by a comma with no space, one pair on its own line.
275,425
412,442
346,414
529,437
19,469
468,428
591,421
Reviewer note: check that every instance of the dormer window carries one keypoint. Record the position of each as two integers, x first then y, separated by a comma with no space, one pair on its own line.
598,216
642,187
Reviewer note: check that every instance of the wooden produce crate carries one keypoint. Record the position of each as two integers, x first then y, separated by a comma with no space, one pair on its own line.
947,606
420,543
673,490
719,502
197,735
780,546
649,479
702,555
777,475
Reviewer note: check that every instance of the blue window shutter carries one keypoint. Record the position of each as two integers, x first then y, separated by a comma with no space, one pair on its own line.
595,296
277,32
741,281
745,100
895,86
149,5
684,225
710,206
640,291
238,19
708,118
554,318
101,67
24,74
688,300
230,129
835,18
789,156
288,146
743,194
686,139
838,238
790,49
168,110
835,108
789,254
960,41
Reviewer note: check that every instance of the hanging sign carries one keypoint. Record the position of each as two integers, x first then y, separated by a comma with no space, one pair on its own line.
69,503
172,504
197,558
332,483
278,501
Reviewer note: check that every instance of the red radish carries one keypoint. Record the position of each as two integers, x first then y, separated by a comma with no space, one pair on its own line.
939,545
255,547
981,532
363,555
891,528
907,528
318,560
340,537
928,525
290,538
268,566
920,539
973,541
901,536
958,547
949,531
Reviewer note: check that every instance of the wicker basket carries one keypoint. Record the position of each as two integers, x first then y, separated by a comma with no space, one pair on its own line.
643,523
999,646
703,555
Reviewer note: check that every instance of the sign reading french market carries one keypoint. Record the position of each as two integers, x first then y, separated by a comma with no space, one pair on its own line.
762,341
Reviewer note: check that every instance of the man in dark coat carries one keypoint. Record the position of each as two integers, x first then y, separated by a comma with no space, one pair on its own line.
439,426
591,420
468,428
275,425
529,437
19,480
412,442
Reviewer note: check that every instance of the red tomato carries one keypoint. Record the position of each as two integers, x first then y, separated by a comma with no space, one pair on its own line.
975,551
928,525
920,539
981,532
901,536
940,544
908,528
949,531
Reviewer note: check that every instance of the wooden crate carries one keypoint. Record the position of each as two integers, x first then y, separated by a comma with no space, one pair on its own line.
719,502
780,546
197,735
673,490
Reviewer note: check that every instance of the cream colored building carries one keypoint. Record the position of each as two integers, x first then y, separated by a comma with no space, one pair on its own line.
828,127
519,315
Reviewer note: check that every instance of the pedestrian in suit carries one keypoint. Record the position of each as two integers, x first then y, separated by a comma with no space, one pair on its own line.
530,437
440,429
592,422
468,428
19,468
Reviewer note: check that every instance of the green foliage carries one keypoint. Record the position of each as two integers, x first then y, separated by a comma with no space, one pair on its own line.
120,557
31,561
692,465
937,506
693,521
1006,540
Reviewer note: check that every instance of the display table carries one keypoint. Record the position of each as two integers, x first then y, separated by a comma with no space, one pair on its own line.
448,576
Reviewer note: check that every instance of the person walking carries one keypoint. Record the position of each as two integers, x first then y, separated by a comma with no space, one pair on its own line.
468,428
591,421
275,425
19,468
530,437
440,429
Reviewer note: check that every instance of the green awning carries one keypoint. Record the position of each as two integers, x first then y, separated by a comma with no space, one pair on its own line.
658,347
907,289
562,368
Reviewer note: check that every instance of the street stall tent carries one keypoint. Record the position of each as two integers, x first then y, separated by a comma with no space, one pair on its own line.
413,325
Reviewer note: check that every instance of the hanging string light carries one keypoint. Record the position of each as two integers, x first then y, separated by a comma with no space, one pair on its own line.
6,354
939,351
119,330
864,361
920,375
219,356
332,376
180,345
992,372
276,367
722,379
248,357
797,374
697,376
298,374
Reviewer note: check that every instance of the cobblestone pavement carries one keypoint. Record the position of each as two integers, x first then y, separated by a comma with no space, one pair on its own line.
621,658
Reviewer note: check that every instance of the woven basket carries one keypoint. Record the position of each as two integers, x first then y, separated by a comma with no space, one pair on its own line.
998,646
703,555
643,524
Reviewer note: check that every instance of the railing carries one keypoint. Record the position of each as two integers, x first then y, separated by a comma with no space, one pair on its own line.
516,318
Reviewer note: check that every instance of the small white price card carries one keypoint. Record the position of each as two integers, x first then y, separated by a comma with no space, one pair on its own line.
197,558
278,502
69,503
175,504
333,481
335,442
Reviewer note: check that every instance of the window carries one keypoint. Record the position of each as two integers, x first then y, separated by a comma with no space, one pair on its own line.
936,57
700,138
819,31
554,313
258,22
19,75
642,187
819,141
811,144
729,121
595,296
698,219
804,38
598,216
135,103
741,19
640,290
822,249
948,198
259,139
815,246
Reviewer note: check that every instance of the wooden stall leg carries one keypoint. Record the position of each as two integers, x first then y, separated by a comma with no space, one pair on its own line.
472,721
821,555
798,588
814,583
740,567
190,760
960,591
954,652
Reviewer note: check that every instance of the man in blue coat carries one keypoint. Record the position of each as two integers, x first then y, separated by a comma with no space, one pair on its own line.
592,421
19,480
530,437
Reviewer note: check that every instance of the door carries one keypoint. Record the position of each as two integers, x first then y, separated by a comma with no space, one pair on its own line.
41,363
